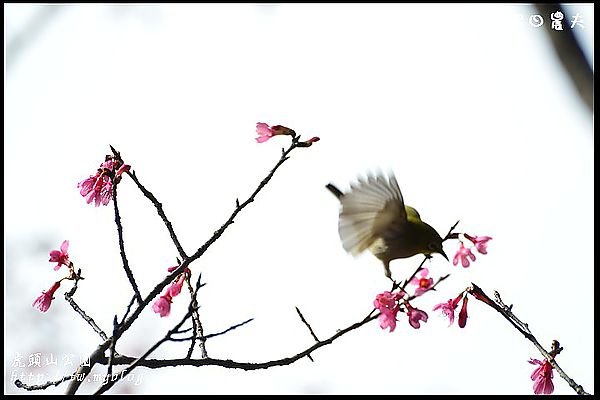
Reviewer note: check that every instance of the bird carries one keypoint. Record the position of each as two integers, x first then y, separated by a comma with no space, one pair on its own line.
373,216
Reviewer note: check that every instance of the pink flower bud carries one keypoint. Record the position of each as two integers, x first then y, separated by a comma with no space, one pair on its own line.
462,315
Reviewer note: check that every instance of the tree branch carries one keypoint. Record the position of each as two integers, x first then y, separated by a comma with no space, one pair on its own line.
506,312
128,271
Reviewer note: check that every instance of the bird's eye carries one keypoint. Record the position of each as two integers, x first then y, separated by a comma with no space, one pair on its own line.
432,246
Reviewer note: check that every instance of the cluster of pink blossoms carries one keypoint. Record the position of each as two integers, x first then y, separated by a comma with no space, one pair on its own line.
464,254
98,187
388,306
451,305
61,257
162,305
266,132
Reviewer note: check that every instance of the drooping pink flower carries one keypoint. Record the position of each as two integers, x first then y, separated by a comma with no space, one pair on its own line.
387,318
60,256
87,185
105,193
44,301
542,377
463,254
162,305
175,288
265,132
423,283
387,304
448,308
462,315
97,188
480,242
415,316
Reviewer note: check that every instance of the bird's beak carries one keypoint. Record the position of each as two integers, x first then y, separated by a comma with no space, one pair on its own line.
444,254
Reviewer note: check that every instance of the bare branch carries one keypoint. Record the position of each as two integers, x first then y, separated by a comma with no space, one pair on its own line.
307,325
43,386
506,312
85,317
161,213
128,271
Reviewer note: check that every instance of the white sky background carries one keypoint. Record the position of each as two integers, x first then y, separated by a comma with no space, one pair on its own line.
466,103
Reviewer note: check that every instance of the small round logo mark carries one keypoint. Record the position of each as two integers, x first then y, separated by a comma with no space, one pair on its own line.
536,20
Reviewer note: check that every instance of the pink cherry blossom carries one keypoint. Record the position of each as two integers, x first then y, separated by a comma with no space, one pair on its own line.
462,315
387,299
415,316
387,304
423,283
264,132
542,377
87,185
45,299
60,256
175,288
448,308
98,188
387,318
463,254
480,242
162,305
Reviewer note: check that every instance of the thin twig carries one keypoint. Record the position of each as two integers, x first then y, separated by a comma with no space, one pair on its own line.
112,346
43,386
192,338
198,331
309,328
307,325
449,234
128,310
212,335
85,317
128,271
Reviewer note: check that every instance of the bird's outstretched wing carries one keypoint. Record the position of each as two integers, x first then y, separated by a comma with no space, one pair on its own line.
371,207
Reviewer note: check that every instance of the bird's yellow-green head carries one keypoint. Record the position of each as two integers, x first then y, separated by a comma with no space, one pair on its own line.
428,240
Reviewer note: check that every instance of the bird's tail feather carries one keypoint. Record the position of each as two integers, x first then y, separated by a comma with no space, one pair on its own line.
336,192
